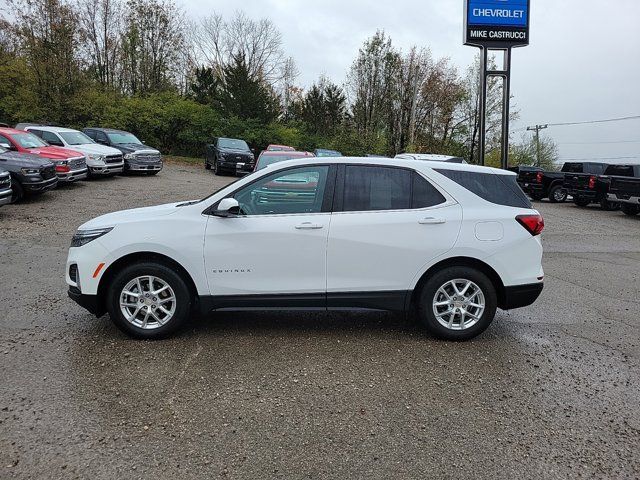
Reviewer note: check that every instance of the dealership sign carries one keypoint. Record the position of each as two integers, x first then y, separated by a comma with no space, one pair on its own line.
496,23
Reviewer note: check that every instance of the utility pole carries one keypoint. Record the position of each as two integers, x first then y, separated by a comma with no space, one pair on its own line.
537,128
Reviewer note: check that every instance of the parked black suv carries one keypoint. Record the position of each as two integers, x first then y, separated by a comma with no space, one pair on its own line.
584,182
229,155
624,187
138,157
30,174
5,187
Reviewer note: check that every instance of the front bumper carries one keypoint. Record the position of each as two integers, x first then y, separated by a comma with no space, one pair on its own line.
237,166
518,296
5,196
107,169
73,176
142,167
88,302
40,185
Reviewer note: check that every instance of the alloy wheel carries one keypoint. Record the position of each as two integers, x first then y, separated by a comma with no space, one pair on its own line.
147,302
459,304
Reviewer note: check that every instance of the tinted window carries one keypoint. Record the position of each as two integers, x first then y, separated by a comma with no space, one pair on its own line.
597,168
619,170
572,167
298,190
91,134
52,138
102,137
424,194
494,188
376,188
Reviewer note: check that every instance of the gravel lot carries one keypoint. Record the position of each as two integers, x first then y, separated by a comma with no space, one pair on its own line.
549,391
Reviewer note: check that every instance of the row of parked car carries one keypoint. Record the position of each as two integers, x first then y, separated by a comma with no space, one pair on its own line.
36,158
612,186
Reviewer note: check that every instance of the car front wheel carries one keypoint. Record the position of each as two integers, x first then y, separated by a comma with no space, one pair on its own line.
457,303
148,300
17,192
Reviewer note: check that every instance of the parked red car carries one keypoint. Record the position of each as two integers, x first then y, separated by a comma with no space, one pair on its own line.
70,165
268,157
280,148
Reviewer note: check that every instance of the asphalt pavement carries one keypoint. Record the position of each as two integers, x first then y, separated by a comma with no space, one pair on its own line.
548,391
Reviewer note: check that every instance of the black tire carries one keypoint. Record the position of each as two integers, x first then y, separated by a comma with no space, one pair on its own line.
433,284
581,202
557,194
153,173
17,191
206,165
609,206
183,300
216,170
629,209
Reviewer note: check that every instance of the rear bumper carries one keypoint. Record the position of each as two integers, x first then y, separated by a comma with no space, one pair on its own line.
88,302
612,197
518,296
591,195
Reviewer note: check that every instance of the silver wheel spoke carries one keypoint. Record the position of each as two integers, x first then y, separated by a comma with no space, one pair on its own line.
149,311
466,304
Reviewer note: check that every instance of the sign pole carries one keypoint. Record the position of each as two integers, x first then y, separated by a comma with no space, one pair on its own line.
506,97
482,111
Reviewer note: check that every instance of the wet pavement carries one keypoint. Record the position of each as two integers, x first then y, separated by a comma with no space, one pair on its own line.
548,391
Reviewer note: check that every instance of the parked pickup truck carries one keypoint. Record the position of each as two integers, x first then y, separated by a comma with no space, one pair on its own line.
5,187
585,183
624,187
229,155
30,174
138,157
539,184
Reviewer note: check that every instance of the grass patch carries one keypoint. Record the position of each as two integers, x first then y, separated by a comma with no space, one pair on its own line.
187,160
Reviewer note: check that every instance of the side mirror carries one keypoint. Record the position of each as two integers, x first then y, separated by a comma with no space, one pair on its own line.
228,207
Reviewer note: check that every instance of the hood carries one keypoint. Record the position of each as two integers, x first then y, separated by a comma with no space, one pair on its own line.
24,160
55,153
130,216
137,147
95,149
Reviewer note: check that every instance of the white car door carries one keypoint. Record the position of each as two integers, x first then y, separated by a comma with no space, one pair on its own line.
277,244
388,223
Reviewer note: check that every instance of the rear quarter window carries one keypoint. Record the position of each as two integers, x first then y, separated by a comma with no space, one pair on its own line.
619,170
494,188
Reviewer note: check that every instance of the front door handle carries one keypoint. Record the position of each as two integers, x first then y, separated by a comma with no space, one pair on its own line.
432,221
308,226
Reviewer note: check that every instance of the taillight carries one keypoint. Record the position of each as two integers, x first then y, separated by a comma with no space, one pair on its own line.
592,182
62,168
539,177
534,224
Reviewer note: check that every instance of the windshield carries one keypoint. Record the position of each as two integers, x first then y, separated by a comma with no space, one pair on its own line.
28,140
75,138
118,138
267,159
327,153
232,144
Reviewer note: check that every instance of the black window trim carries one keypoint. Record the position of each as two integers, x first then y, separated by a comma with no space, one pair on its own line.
327,200
338,198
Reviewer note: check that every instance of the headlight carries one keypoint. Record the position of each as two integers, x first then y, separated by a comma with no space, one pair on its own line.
30,171
129,156
223,154
82,237
97,158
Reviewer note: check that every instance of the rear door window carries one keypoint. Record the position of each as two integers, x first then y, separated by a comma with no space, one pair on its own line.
368,188
572,168
494,188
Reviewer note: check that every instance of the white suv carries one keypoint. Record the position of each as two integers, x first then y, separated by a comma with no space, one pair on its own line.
101,160
448,241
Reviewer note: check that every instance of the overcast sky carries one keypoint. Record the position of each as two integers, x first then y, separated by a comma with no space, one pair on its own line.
583,62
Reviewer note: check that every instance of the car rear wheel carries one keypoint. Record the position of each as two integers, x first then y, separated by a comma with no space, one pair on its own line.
148,300
17,192
557,194
457,303
630,210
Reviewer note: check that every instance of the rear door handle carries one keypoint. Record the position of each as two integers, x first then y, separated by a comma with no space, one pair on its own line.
432,221
308,226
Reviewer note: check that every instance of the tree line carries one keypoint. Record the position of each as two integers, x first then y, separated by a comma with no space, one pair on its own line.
143,66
